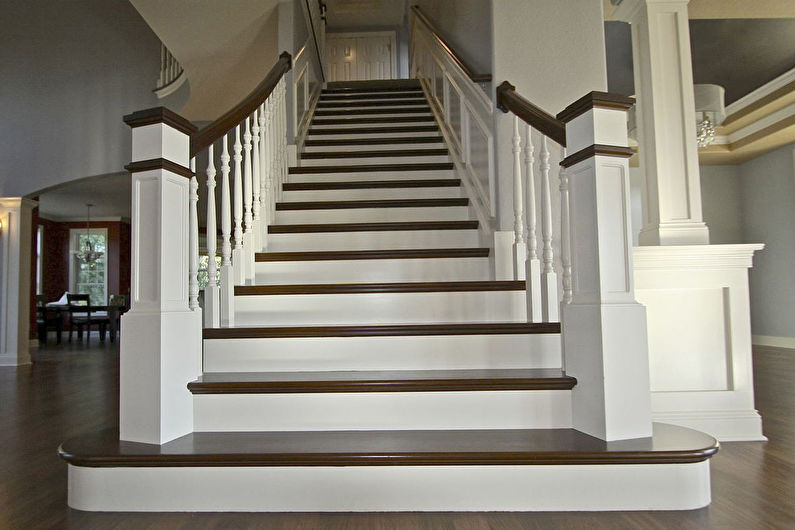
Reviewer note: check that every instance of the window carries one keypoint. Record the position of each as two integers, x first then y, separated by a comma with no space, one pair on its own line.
89,278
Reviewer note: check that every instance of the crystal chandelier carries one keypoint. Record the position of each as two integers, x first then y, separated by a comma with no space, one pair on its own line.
88,254
710,112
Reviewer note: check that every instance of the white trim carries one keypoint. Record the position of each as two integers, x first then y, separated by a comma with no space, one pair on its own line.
391,488
695,256
773,341
108,219
761,92
172,86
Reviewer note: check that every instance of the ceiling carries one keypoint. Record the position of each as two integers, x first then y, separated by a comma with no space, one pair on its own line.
109,194
344,14
740,55
729,8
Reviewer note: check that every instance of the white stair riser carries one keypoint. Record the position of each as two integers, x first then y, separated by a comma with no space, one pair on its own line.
372,270
373,215
359,176
357,113
515,409
443,192
386,126
385,240
372,147
372,96
357,161
380,308
391,488
386,133
432,352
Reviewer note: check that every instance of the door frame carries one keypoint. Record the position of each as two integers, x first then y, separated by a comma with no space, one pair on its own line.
392,34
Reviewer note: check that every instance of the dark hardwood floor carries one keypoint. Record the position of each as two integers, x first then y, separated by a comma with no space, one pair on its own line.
72,389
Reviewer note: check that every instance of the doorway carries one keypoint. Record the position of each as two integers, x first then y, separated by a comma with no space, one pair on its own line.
361,56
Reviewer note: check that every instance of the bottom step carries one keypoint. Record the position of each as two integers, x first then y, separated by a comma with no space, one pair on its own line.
506,470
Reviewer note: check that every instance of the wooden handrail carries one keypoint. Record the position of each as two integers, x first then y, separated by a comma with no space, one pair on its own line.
477,78
238,113
509,100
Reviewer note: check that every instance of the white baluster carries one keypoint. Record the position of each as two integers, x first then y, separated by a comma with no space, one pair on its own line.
212,301
549,280
248,244
238,255
532,265
519,249
273,184
256,235
283,130
565,231
227,271
264,176
193,224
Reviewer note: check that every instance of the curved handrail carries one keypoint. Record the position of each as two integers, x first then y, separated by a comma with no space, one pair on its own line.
215,130
509,100
475,77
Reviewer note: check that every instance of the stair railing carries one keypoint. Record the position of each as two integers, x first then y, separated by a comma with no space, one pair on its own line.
457,96
172,75
256,128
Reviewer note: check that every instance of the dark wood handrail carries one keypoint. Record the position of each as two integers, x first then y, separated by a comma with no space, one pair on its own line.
477,78
212,132
509,100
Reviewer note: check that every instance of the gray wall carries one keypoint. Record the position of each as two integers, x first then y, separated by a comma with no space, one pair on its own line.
768,211
722,203
466,25
70,70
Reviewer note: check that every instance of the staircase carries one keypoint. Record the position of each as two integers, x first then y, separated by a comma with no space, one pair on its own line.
375,364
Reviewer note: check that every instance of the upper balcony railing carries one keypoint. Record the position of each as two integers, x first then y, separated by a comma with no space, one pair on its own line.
172,76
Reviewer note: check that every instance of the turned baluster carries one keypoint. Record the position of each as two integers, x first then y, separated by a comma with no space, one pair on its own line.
519,249
256,236
549,280
565,231
247,200
238,261
227,272
532,265
264,177
211,295
193,224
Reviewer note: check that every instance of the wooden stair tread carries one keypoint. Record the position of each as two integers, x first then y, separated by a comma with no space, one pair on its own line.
384,330
359,168
372,227
388,102
381,381
407,253
383,287
669,445
372,203
324,112
369,184
395,119
311,155
375,130
376,141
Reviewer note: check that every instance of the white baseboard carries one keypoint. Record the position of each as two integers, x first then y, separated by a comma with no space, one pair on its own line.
723,425
392,488
776,342
12,359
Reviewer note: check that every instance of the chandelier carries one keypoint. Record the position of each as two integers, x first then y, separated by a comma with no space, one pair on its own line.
88,254
710,112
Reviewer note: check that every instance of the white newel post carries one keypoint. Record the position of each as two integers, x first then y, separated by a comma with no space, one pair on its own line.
666,121
15,253
604,327
161,339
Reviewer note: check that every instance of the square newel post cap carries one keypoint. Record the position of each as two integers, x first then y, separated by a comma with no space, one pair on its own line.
160,115
596,124
160,140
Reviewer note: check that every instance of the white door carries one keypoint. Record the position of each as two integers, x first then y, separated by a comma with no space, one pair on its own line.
351,57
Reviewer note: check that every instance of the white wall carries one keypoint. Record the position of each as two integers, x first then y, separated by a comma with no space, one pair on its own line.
70,70
767,188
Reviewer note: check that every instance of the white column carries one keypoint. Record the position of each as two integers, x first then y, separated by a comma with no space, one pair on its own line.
604,327
666,122
227,271
212,295
161,339
519,247
15,254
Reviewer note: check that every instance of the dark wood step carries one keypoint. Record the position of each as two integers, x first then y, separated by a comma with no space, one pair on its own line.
394,287
359,168
381,381
376,141
376,130
369,203
380,102
371,184
314,155
384,330
372,227
385,95
410,253
375,111
350,121
669,444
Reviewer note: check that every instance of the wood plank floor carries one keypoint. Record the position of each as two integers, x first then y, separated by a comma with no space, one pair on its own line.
73,389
